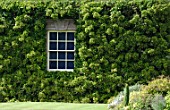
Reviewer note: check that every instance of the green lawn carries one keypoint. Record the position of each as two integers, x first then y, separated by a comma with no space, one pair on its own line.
51,106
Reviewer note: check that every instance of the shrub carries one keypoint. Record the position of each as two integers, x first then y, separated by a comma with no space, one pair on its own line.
158,102
142,98
160,85
167,98
140,101
143,101
117,102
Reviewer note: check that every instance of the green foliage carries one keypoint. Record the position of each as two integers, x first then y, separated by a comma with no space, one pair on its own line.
118,42
118,102
167,98
137,101
126,95
159,85
158,102
142,100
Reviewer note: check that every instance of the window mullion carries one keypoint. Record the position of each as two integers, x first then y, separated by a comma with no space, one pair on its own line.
65,51
57,50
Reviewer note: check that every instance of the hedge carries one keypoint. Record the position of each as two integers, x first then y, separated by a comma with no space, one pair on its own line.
117,42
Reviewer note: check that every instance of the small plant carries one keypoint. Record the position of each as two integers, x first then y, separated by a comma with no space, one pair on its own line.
85,100
118,100
140,101
167,99
158,102
147,97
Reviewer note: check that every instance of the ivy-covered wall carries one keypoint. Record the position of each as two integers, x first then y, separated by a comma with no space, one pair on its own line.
117,42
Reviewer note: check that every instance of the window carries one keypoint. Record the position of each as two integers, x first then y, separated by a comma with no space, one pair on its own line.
61,50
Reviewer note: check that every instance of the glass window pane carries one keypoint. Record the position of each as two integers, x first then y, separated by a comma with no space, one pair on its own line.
53,55
61,55
53,45
53,65
70,65
61,36
53,35
61,65
61,45
70,55
70,36
70,45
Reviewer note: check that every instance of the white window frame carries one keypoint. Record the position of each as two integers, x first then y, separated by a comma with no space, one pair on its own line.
57,50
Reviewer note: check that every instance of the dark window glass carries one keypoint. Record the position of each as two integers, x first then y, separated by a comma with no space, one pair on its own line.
70,46
53,35
62,59
61,65
61,55
70,36
70,55
61,45
53,55
61,36
70,65
53,65
53,45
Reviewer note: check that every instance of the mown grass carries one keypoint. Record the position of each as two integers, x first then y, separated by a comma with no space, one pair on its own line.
51,106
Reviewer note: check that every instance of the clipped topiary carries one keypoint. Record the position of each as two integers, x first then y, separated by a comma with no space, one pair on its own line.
126,92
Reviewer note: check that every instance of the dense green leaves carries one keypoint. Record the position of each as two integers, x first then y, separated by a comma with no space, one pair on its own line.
116,43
